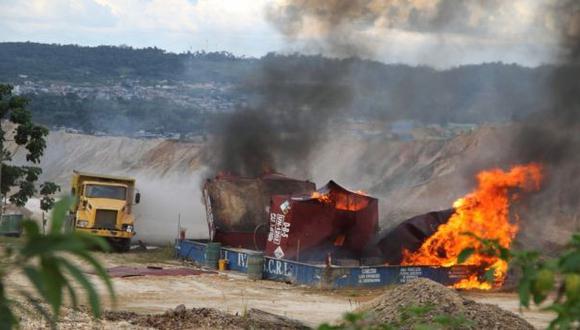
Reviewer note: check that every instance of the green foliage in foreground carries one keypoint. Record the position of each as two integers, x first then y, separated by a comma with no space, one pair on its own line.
413,317
46,262
552,281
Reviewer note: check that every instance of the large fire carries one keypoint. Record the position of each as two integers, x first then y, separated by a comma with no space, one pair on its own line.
486,213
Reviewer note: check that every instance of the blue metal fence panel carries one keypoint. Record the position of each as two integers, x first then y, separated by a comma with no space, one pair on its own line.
274,269
322,276
385,275
292,271
191,250
363,276
237,259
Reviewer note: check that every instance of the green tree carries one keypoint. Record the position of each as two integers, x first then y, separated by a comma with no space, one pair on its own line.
46,262
18,182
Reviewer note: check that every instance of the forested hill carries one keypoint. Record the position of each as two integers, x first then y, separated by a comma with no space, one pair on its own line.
97,88
76,63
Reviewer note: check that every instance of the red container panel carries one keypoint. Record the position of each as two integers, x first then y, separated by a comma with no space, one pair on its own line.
337,219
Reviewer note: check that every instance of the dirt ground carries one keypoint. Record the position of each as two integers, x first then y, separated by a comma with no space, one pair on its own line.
231,292
509,301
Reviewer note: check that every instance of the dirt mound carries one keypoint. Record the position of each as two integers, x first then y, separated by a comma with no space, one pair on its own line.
71,319
206,318
424,301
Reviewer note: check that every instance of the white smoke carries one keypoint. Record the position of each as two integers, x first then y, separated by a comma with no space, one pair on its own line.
167,202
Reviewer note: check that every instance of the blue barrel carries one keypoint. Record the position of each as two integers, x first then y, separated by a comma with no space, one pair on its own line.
255,265
11,225
212,254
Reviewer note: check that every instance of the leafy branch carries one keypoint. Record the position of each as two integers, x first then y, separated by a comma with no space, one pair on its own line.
541,277
46,262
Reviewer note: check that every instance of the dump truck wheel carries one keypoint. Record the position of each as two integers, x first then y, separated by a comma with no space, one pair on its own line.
120,245
124,245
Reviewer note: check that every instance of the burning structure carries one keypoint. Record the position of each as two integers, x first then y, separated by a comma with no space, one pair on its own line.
331,221
290,220
237,207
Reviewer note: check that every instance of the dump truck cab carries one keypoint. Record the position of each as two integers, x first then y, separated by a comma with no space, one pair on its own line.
104,207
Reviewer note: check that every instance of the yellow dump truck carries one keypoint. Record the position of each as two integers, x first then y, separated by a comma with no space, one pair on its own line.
104,207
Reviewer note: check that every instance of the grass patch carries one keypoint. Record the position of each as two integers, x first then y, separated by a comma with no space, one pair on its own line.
164,254
7,240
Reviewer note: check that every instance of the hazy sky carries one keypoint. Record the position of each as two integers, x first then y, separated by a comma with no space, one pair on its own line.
511,34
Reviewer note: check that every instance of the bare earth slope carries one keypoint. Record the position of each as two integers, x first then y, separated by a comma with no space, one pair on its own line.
410,178
166,172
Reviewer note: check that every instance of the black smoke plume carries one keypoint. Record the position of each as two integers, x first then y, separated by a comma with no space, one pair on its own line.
292,104
294,100
552,137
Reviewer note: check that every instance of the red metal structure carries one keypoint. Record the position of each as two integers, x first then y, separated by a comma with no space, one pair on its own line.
332,222
237,207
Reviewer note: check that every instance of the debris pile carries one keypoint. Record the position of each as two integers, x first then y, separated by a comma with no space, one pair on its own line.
441,301
207,318
409,235
71,319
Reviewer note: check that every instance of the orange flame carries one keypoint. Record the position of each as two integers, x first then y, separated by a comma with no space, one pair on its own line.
324,198
485,213
342,201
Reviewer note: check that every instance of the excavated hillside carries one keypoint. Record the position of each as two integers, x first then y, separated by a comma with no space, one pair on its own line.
167,173
155,158
410,177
